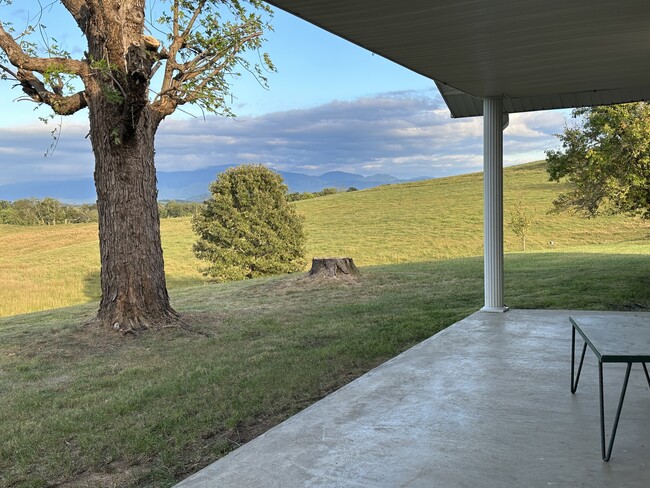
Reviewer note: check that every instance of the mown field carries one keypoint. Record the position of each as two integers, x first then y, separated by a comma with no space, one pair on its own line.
86,408
50,267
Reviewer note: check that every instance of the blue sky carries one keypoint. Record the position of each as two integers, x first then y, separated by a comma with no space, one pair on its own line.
331,106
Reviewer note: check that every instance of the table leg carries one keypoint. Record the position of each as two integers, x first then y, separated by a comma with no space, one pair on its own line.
647,376
607,453
575,378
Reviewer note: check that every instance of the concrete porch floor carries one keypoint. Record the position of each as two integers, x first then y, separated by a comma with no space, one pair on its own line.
484,403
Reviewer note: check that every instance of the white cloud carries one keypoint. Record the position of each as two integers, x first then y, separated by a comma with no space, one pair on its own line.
406,134
536,124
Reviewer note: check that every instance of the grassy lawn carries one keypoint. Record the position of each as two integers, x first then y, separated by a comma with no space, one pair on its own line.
80,408
50,267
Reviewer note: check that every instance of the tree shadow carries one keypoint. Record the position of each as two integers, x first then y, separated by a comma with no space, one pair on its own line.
91,286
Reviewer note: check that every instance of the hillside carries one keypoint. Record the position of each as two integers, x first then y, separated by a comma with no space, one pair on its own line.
443,218
112,410
50,267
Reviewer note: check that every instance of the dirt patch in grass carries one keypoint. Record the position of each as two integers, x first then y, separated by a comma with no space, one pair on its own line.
73,341
204,321
116,475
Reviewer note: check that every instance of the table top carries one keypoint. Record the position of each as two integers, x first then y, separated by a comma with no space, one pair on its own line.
616,338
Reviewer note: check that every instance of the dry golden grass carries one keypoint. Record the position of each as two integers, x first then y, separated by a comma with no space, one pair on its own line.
49,267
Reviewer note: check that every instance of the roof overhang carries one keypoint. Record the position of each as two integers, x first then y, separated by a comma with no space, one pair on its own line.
535,54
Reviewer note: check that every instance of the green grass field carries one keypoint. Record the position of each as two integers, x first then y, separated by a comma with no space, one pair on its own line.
50,267
85,408
443,218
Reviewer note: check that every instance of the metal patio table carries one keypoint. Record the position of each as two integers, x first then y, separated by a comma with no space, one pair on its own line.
623,338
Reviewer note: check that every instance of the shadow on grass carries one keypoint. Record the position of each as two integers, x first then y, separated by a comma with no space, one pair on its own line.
532,280
92,285
588,281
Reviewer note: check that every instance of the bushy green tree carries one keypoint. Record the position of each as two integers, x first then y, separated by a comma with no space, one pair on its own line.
247,228
25,212
605,159
50,211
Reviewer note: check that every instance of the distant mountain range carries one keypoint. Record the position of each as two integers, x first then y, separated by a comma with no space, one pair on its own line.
190,185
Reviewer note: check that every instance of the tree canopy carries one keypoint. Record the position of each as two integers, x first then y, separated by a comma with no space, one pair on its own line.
605,158
247,229
193,48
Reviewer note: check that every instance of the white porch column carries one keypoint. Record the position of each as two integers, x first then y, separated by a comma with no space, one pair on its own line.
493,125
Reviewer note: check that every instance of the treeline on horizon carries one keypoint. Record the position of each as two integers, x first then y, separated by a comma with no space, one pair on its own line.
306,195
50,211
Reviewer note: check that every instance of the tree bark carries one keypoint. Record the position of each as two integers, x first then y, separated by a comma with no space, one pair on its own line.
122,133
134,291
333,267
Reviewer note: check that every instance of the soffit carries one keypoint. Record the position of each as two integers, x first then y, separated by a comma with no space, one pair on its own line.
536,54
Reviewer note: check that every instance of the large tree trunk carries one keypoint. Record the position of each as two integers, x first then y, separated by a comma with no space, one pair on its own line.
134,293
122,132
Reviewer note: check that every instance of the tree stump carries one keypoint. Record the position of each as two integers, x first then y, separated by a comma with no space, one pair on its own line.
333,267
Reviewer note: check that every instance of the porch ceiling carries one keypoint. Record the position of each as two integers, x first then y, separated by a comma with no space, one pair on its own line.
537,55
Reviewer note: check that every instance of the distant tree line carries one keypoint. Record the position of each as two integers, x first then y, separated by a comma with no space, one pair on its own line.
175,208
45,211
50,211
306,195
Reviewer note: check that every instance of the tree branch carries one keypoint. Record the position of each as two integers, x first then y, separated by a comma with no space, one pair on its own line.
9,71
79,10
173,94
232,52
201,63
190,24
178,41
36,90
175,29
21,60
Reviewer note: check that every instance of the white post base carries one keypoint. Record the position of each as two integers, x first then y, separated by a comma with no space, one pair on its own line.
494,309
